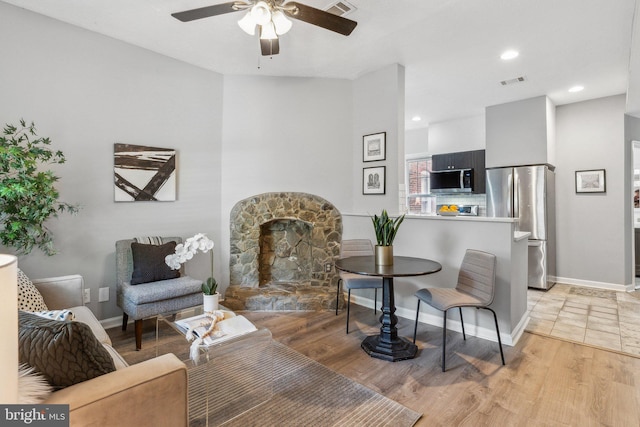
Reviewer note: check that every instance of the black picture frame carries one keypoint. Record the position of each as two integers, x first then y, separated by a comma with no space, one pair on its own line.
374,180
374,147
591,181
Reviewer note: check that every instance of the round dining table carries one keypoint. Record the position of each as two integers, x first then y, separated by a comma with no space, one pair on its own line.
388,345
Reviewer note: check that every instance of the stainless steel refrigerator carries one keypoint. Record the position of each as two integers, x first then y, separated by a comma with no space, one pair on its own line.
528,193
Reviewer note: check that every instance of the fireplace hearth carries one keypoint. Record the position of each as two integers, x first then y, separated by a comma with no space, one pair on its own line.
282,251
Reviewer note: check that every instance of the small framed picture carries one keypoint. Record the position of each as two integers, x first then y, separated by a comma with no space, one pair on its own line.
374,147
373,180
591,181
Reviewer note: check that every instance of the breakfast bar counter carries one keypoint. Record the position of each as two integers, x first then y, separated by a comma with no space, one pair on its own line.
446,240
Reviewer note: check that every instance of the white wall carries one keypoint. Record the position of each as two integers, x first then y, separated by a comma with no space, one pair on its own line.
519,132
87,92
285,134
591,228
451,136
416,141
378,106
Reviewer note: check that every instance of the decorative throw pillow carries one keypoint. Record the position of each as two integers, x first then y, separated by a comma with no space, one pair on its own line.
56,314
65,353
29,298
32,387
149,265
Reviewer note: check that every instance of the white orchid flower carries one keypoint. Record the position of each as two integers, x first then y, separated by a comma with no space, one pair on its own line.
185,251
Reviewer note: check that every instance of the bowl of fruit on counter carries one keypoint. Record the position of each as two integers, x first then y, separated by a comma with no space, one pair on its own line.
448,210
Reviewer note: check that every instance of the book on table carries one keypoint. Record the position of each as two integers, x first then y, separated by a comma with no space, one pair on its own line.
232,326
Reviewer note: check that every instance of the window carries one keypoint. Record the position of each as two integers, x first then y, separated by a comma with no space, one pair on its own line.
419,201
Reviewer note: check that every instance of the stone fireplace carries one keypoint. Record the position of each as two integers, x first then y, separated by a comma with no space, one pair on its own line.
282,251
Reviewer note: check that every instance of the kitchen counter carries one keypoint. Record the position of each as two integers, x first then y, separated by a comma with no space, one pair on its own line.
445,240
445,218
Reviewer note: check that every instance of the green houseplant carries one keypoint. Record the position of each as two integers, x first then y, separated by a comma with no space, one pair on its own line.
386,229
28,197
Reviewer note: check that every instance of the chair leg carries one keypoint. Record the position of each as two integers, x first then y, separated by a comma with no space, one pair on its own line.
415,327
125,320
464,336
444,340
495,318
375,300
348,308
338,296
138,327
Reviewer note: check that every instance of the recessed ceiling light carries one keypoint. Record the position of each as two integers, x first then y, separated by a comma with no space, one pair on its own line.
509,54
416,118
577,88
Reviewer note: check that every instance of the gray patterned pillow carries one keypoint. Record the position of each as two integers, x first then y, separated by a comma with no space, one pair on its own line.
64,352
29,298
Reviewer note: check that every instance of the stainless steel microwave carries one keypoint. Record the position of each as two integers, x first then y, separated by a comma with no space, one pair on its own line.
452,181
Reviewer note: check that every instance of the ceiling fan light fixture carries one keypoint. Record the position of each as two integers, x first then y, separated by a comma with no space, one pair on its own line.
248,24
268,31
282,24
261,13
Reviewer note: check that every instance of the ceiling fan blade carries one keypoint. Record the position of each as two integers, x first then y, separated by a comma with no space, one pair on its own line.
321,18
205,12
269,47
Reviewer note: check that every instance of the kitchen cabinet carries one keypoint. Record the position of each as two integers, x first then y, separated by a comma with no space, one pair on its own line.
464,160
448,161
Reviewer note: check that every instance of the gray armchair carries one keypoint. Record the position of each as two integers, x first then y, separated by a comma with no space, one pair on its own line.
150,299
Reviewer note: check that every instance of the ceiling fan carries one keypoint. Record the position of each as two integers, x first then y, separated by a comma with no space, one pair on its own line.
271,18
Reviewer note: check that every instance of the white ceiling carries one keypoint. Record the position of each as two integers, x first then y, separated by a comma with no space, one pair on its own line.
450,48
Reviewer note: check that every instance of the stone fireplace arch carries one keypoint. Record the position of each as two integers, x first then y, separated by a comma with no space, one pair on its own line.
248,217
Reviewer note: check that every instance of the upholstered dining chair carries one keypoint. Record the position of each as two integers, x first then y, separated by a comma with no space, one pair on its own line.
356,247
146,286
475,288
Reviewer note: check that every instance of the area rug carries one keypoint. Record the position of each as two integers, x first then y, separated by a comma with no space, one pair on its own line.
292,390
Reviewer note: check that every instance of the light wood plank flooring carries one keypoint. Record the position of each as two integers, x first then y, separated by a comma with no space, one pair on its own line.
546,382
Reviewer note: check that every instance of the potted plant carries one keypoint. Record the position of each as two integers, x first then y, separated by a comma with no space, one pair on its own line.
386,229
210,296
185,252
28,197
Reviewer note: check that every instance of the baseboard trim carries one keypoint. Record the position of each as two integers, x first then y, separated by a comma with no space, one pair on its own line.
593,284
112,322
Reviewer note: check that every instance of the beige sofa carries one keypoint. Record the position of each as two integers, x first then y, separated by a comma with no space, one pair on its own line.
150,393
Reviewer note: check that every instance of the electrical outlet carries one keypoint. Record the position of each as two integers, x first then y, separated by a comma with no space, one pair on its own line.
87,296
327,267
103,294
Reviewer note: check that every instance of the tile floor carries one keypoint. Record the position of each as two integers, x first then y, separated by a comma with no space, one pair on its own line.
597,317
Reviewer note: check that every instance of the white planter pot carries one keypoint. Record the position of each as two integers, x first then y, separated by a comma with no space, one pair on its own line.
211,301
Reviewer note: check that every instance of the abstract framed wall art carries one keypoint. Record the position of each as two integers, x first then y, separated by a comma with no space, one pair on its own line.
374,147
591,181
144,173
373,180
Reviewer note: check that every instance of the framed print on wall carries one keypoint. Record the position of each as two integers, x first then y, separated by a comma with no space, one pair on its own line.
373,180
591,181
144,173
374,147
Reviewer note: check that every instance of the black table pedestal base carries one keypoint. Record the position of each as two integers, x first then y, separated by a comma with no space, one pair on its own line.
399,349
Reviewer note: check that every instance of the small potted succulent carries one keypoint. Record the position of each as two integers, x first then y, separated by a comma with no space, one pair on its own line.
386,229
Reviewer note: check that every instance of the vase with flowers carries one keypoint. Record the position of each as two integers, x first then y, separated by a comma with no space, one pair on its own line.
184,252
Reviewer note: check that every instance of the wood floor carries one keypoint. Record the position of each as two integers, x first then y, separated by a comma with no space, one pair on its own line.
546,382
